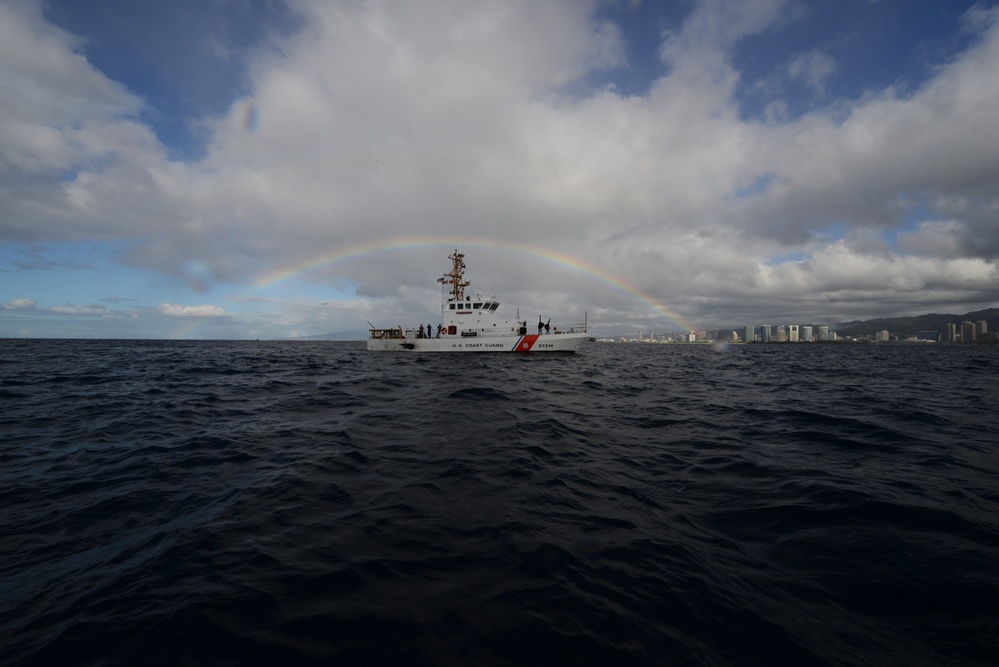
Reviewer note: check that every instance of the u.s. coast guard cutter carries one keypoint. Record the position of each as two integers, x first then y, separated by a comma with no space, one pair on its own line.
471,325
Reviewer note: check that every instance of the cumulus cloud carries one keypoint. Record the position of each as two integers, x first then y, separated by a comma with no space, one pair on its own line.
20,303
934,238
875,162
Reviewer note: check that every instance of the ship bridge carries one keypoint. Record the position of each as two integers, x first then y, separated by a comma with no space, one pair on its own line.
481,305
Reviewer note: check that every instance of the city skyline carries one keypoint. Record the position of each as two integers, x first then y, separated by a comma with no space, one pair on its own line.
927,328
966,332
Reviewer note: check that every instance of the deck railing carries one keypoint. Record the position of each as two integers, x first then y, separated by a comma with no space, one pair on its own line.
387,333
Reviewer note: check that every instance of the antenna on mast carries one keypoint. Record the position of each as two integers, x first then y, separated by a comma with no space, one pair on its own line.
456,277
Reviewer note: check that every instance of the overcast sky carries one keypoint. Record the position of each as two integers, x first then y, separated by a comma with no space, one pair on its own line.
280,168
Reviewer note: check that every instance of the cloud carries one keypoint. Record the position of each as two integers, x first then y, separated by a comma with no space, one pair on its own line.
20,303
92,309
699,52
813,67
934,238
871,163
174,310
68,137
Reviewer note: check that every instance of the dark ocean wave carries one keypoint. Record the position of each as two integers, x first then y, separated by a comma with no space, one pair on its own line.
212,503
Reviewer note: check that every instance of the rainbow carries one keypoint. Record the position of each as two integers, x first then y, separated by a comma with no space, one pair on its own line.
403,243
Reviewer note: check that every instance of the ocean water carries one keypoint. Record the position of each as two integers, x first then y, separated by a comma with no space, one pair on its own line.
262,503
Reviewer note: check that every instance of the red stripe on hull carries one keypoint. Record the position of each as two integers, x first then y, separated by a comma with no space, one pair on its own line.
526,343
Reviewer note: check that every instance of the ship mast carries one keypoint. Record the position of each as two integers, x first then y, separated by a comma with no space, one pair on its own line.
456,277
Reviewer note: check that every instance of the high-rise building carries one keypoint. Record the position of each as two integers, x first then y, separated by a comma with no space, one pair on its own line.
750,333
806,334
765,333
823,333
792,333
968,332
981,328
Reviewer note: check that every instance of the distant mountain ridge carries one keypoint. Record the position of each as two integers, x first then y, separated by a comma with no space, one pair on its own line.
908,326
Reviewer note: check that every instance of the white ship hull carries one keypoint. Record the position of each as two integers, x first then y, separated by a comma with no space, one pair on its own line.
563,342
